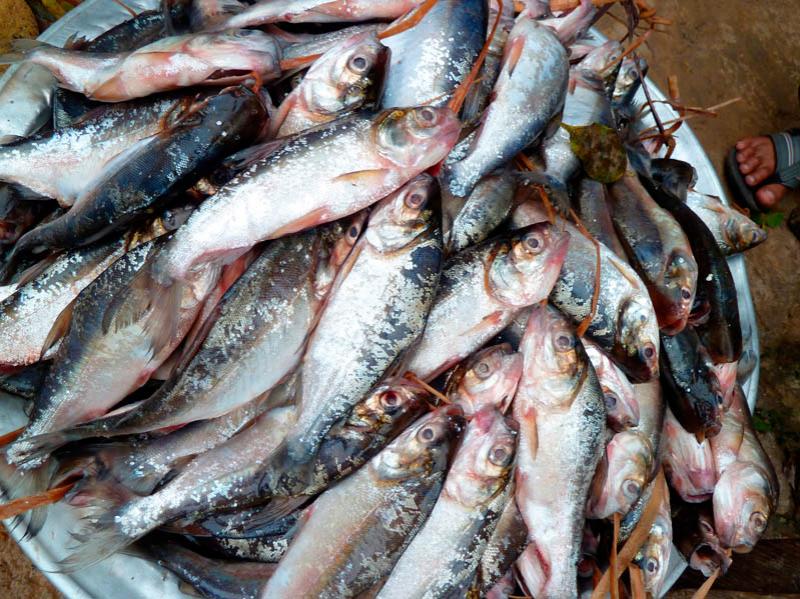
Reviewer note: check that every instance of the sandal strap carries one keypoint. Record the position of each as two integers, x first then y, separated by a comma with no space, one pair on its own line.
787,158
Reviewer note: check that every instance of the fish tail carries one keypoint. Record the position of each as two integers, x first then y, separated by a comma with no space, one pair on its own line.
22,50
34,450
17,483
99,538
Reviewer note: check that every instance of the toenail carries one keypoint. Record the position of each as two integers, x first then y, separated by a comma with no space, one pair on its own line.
751,180
768,195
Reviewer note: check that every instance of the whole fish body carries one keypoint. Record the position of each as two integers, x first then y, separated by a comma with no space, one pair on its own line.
746,492
481,291
559,405
59,164
429,60
529,92
688,465
659,249
382,506
322,175
622,409
377,308
733,231
339,81
488,378
163,65
140,177
624,324
461,523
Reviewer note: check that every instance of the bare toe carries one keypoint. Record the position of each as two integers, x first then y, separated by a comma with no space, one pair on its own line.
758,175
769,195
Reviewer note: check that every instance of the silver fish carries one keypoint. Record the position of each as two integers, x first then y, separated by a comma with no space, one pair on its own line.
653,557
488,378
688,465
732,230
622,409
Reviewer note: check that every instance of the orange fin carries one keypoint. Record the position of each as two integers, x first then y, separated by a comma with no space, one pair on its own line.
59,328
367,178
9,437
24,504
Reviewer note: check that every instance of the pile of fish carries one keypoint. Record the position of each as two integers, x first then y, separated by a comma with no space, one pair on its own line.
320,299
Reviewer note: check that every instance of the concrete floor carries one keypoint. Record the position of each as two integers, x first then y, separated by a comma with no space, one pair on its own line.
718,50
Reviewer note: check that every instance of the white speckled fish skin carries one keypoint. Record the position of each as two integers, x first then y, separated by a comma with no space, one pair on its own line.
442,559
429,60
163,65
59,164
688,465
323,175
747,488
529,92
624,324
488,378
559,406
586,103
381,507
319,11
337,82
377,308
621,476
106,355
620,399
486,207
481,291
28,315
658,249
732,230
653,557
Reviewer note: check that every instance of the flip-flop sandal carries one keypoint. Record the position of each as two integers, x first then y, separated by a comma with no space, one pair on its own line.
787,169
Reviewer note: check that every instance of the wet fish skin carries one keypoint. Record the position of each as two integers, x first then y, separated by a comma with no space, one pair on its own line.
746,493
659,250
621,476
26,382
559,405
377,308
732,230
59,164
487,206
322,175
142,176
339,81
591,204
722,330
624,324
696,539
532,83
429,60
384,504
653,557
163,65
622,409
688,465
488,378
460,525
481,291
693,390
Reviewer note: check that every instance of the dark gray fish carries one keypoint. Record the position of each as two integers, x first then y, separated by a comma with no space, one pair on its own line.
591,204
26,382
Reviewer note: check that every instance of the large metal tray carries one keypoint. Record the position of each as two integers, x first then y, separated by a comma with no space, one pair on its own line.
25,93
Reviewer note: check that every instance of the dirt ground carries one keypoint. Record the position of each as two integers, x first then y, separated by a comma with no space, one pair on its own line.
718,50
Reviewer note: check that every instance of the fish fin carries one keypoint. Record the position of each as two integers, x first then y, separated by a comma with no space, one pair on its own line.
30,273
277,508
17,507
60,327
39,447
366,178
75,42
244,158
16,483
9,138
21,50
99,538
9,437
513,53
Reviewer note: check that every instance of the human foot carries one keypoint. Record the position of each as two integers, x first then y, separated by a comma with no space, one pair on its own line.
757,162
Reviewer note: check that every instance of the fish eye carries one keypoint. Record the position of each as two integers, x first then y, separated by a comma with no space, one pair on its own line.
390,399
427,115
685,293
534,243
565,342
720,400
352,232
415,200
483,370
610,399
359,63
427,433
651,565
245,33
499,456
631,488
649,351
759,521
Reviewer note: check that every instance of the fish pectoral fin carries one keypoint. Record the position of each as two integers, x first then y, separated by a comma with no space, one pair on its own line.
59,328
365,178
9,139
244,158
513,54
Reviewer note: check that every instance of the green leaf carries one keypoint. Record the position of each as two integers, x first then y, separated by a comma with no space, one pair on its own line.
771,220
600,151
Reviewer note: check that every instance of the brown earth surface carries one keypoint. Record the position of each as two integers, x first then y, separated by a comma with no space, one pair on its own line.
718,50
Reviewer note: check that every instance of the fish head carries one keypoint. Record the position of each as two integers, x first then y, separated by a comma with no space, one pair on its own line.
236,52
653,557
628,76
389,407
484,460
346,76
416,138
743,502
622,409
526,272
599,64
674,301
404,215
740,232
424,447
726,374
708,557
637,339
488,378
625,470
